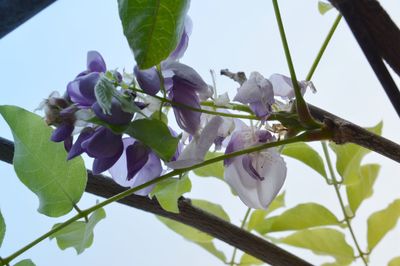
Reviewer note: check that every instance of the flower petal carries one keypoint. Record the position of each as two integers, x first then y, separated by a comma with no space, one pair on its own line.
117,117
62,132
103,144
148,80
77,149
95,62
137,155
102,164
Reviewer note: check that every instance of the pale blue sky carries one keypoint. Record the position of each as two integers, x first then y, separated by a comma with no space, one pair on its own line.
50,49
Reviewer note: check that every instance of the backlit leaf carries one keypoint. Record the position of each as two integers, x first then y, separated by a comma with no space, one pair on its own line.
153,28
247,260
306,154
302,216
363,189
212,208
394,262
41,164
349,157
257,216
104,91
324,7
169,191
156,135
79,234
381,222
322,241
213,170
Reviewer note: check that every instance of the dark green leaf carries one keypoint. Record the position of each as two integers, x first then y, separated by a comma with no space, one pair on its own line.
381,222
257,216
169,191
79,234
324,7
394,262
323,241
26,262
212,208
41,164
153,28
247,260
214,170
302,216
306,154
349,157
104,91
154,134
2,228
363,189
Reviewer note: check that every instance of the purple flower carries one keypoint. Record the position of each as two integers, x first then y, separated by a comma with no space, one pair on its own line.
117,116
81,89
132,171
184,41
258,93
148,80
256,177
102,145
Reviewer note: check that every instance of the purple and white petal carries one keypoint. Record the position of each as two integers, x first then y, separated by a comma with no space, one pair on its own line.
95,62
77,149
148,80
137,155
81,90
184,41
103,164
196,150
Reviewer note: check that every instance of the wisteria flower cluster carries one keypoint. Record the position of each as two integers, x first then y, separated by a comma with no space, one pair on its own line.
82,114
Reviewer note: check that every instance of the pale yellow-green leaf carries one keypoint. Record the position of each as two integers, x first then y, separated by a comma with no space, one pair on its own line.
247,260
169,191
381,222
211,170
302,216
324,7
362,189
394,262
349,157
322,241
212,208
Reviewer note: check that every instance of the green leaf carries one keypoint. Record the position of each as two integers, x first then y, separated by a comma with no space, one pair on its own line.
26,262
247,260
104,91
349,157
41,164
156,135
2,228
160,116
324,7
306,154
214,170
257,216
381,222
191,234
212,208
79,234
323,241
299,217
186,231
363,189
394,262
210,247
169,191
153,28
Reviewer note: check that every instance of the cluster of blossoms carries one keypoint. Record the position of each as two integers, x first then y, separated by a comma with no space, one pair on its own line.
256,177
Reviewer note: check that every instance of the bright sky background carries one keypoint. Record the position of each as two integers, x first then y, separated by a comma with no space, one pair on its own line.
48,51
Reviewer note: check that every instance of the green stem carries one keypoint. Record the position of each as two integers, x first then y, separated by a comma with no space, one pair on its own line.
165,100
232,262
341,202
306,136
301,106
161,78
323,47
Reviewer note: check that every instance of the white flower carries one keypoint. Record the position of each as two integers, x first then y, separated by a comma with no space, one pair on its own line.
256,177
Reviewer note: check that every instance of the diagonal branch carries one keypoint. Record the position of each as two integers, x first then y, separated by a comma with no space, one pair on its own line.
105,187
378,37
